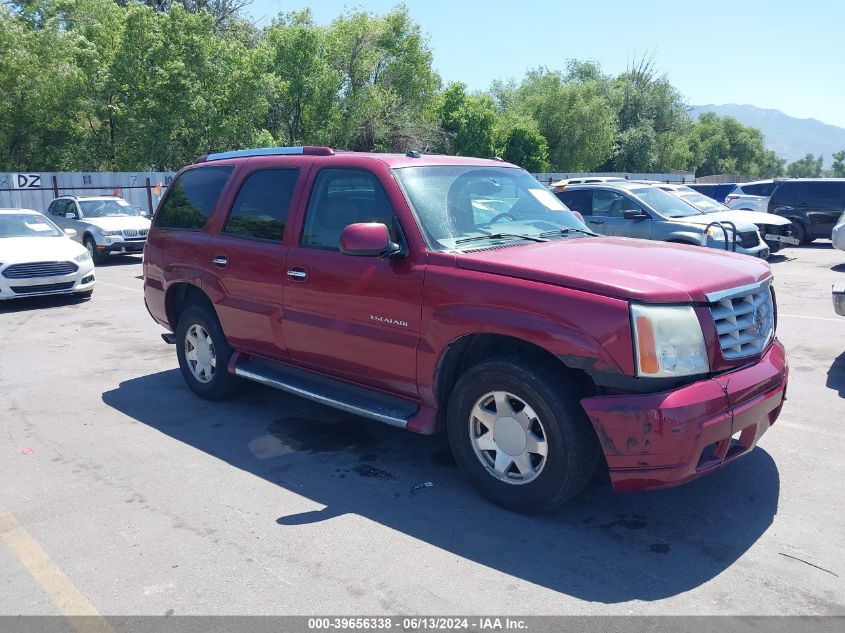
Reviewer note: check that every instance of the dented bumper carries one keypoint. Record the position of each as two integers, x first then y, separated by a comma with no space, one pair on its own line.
666,439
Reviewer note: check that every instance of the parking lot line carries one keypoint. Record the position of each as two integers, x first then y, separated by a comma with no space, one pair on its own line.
105,283
68,599
807,316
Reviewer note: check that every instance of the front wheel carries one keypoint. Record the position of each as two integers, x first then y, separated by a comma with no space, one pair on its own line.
519,433
204,354
799,232
96,256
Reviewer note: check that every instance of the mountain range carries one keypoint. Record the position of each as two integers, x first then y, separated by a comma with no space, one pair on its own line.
789,137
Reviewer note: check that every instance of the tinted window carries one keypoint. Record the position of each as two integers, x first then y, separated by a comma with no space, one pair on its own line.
786,193
191,198
261,208
759,189
822,194
341,197
579,200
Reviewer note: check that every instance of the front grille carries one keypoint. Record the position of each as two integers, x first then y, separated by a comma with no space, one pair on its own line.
744,319
29,290
747,239
39,269
135,232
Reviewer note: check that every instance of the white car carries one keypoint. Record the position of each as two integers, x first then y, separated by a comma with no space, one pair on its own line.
751,196
838,235
104,224
38,258
774,229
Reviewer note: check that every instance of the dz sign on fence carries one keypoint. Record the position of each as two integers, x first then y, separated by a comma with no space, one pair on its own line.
26,181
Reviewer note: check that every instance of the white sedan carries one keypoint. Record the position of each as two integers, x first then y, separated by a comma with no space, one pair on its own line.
38,258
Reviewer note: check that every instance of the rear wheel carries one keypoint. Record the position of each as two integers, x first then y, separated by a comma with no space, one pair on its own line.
204,354
519,433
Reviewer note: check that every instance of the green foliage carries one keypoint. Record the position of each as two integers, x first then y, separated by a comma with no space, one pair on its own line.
838,168
152,84
807,167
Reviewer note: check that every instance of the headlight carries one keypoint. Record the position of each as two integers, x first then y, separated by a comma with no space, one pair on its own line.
84,257
668,341
104,232
718,235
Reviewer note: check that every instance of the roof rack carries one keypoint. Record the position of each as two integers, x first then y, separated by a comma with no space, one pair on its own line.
309,150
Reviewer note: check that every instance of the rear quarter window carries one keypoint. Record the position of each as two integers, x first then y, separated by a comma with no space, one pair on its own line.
578,200
191,198
760,189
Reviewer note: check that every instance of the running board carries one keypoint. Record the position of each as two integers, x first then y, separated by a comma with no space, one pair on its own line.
331,393
169,338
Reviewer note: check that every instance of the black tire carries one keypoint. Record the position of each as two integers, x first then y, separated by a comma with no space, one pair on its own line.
222,384
573,449
96,256
799,231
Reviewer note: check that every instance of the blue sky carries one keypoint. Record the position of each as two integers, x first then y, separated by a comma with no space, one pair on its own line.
773,54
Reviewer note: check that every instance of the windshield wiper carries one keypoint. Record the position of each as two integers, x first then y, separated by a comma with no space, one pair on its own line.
499,236
566,231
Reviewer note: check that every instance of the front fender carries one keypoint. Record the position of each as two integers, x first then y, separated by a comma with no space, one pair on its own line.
688,237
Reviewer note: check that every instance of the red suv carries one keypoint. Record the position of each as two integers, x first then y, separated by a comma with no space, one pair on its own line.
436,292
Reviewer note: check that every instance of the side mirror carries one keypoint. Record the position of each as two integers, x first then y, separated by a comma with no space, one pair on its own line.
70,216
367,239
70,232
635,214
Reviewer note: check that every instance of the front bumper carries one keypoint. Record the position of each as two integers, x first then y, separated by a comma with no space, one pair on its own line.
838,237
666,439
80,281
122,246
838,294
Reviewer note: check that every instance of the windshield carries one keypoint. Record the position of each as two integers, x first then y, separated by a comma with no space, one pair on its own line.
107,208
664,203
26,225
454,203
704,203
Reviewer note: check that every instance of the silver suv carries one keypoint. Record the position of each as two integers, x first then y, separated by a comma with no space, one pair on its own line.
104,224
751,196
628,209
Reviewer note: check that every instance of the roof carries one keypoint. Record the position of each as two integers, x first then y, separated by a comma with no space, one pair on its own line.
411,159
100,197
625,184
19,211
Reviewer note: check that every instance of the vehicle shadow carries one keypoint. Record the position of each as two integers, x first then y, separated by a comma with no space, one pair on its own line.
47,302
838,268
836,375
600,547
120,260
820,243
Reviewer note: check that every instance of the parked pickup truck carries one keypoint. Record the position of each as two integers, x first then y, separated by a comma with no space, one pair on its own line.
374,284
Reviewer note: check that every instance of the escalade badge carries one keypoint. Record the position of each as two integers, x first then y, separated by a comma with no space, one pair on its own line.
388,320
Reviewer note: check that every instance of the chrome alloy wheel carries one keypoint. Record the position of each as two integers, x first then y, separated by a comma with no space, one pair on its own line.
508,437
199,352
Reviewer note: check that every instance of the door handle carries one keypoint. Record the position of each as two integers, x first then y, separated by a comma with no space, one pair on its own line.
297,273
221,260
596,221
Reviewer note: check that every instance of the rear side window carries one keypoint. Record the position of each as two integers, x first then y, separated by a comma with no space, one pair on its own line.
786,193
341,197
191,198
578,200
261,209
759,189
822,194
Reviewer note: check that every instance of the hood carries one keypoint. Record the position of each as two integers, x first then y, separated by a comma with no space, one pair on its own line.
739,218
755,217
652,272
21,250
119,223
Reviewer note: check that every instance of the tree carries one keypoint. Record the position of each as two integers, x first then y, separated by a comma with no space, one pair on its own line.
807,167
574,118
467,122
838,168
721,145
520,142
387,92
